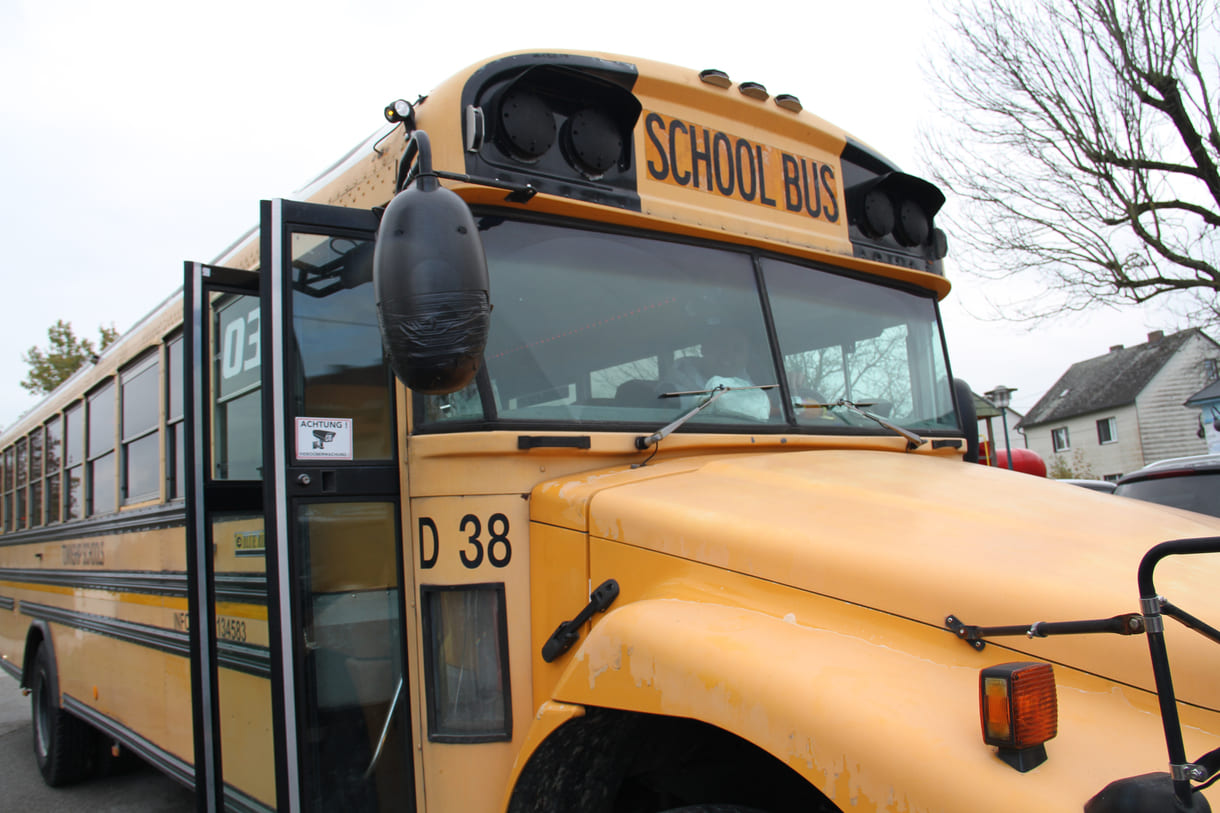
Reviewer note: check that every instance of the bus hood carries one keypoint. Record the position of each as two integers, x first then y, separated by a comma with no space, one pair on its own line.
922,538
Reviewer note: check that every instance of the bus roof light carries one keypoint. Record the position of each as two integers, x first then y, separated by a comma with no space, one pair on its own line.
592,141
1019,711
716,78
789,102
527,125
876,213
400,110
940,244
754,90
911,223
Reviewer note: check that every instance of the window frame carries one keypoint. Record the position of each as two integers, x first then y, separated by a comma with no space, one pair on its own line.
148,363
74,423
21,469
1055,440
175,427
35,445
6,486
53,467
1112,425
95,456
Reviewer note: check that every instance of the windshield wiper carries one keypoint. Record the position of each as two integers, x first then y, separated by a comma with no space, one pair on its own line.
914,441
714,393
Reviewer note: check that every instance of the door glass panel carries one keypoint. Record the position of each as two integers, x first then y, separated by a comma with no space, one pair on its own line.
237,445
352,663
342,373
243,678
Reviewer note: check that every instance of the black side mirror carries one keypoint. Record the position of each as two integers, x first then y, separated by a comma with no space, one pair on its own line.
430,275
968,417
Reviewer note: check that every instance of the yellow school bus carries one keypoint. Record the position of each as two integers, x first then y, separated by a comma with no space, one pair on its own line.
587,440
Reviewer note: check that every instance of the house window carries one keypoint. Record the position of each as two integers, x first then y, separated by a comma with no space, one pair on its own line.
1211,369
1107,431
1059,439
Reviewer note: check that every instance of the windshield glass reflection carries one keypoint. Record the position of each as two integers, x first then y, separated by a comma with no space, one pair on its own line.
614,329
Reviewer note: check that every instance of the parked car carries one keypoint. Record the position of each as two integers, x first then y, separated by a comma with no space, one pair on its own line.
1192,483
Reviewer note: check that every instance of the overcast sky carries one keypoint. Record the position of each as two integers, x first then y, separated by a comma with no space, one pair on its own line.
136,134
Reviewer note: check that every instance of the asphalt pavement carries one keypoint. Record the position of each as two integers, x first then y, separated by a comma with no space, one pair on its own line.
140,789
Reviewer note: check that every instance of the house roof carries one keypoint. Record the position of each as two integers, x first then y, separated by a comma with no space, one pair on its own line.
1114,379
1209,393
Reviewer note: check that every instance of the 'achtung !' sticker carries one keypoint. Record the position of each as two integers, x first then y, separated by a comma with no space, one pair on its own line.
685,154
324,438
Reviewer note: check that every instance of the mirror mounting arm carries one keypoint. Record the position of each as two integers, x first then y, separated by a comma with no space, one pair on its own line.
416,164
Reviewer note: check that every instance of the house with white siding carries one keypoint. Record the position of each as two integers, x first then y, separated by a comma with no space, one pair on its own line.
1117,412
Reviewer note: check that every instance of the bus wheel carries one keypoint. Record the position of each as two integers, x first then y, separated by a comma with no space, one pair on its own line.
61,741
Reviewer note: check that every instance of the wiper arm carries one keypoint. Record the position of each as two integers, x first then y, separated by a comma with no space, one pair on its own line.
914,441
714,393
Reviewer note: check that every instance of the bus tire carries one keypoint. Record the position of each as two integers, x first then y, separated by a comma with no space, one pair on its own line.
61,740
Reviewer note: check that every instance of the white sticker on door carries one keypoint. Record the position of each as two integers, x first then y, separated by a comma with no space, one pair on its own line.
324,438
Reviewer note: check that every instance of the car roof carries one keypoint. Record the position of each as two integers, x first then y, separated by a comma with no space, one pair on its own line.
1175,465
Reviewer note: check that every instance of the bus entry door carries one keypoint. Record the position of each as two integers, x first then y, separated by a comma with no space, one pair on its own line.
332,481
230,594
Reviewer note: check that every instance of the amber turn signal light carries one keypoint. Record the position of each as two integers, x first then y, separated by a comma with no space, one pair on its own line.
1019,711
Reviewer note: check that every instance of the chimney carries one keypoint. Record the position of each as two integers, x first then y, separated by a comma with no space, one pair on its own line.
1115,347
1155,336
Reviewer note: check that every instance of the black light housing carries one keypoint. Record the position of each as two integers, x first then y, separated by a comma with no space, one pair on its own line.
561,124
897,210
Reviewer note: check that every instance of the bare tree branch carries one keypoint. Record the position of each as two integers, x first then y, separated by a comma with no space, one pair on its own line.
1082,148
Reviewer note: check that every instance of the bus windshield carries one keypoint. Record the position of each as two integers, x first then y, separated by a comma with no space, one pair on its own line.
597,328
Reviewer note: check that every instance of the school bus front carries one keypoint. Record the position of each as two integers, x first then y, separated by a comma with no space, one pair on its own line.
689,507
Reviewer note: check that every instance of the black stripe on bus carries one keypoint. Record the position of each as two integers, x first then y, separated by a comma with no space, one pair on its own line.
143,519
165,640
240,657
240,588
234,588
172,766
7,602
115,581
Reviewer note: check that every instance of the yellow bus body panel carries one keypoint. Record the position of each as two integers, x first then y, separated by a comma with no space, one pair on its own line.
877,712
798,600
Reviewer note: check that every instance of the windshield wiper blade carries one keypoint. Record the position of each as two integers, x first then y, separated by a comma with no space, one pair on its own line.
914,441
714,393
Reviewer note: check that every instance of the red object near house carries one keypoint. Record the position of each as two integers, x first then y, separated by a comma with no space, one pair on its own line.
1023,460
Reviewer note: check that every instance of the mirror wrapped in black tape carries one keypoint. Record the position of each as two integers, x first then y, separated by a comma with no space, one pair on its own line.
430,273
1148,793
